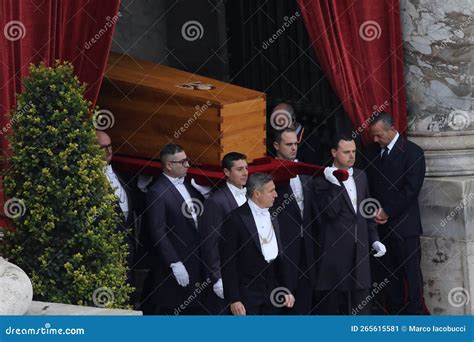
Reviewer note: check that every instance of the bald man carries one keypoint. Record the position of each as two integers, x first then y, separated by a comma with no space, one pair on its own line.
122,194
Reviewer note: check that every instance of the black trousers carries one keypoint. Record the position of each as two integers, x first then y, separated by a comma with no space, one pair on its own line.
213,304
401,267
304,298
334,302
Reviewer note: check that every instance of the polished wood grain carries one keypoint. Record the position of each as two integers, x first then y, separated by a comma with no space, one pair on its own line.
150,111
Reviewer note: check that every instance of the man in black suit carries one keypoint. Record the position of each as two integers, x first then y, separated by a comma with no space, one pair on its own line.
346,234
292,207
216,208
309,147
122,191
254,270
396,170
172,223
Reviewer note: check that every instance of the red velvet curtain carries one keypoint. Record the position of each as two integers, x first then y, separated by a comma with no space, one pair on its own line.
359,46
34,31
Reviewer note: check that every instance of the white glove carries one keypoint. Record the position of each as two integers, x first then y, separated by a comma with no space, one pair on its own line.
379,248
330,177
180,273
219,289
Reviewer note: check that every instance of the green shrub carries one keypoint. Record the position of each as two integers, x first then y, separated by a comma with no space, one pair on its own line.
65,237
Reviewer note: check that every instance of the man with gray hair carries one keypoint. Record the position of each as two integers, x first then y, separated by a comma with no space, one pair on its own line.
254,269
396,171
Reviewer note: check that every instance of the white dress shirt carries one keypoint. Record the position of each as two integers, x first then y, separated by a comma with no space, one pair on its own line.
239,194
179,185
266,233
297,188
351,188
390,145
118,189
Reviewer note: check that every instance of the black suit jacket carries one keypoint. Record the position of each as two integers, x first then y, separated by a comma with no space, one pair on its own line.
245,273
174,238
128,223
396,184
296,231
345,236
216,209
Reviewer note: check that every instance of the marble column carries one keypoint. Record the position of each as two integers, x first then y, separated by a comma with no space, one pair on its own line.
439,75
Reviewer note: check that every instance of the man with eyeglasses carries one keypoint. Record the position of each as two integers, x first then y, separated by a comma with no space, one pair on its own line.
105,144
173,208
122,192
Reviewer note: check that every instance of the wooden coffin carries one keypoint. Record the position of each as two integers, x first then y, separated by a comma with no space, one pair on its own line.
153,105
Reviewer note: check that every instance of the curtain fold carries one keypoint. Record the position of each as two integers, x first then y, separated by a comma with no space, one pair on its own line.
359,46
35,31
